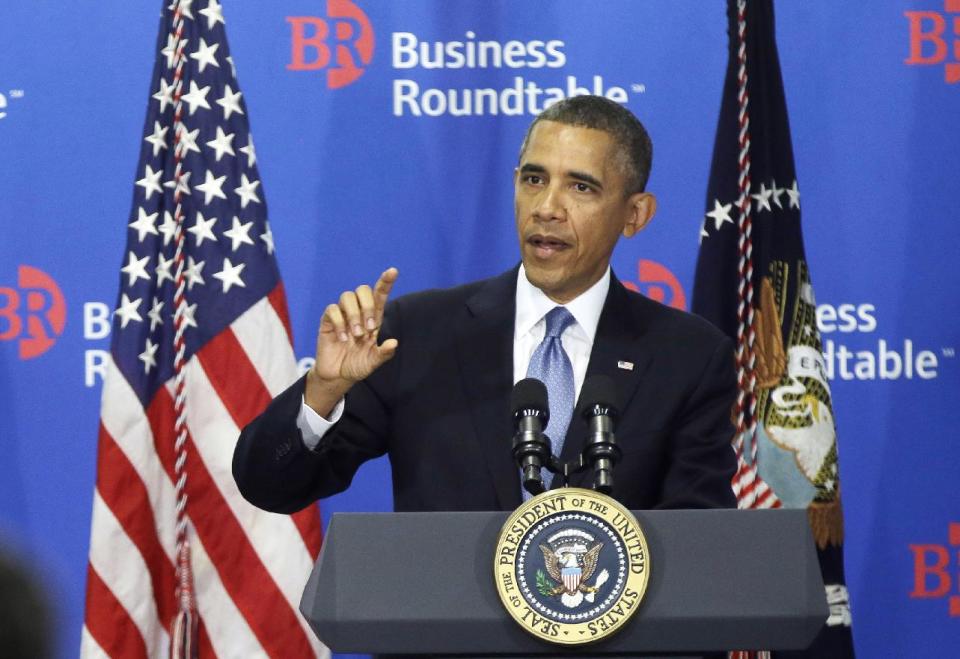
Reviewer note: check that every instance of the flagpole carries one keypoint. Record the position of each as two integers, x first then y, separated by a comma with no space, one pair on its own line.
747,493
183,630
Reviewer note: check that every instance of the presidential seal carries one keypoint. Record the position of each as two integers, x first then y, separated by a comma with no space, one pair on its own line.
571,566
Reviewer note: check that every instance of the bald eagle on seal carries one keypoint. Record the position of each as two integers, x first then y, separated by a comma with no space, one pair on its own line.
570,569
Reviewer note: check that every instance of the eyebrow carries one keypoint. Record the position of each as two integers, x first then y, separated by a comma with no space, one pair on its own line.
586,178
533,168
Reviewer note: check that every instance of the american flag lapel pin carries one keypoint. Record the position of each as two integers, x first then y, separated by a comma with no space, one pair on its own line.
627,366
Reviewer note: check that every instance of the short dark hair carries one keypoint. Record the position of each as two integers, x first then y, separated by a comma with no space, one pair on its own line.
600,113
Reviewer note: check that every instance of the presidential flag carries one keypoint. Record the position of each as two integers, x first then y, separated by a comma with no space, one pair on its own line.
753,282
200,344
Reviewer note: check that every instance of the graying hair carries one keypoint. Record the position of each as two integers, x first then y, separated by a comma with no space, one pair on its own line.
635,150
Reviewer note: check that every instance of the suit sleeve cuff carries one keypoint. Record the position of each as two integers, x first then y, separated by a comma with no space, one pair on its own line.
313,426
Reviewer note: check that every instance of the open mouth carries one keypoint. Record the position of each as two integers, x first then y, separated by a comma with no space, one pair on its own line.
546,246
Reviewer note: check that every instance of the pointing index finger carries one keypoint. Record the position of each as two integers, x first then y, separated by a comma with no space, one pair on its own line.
381,290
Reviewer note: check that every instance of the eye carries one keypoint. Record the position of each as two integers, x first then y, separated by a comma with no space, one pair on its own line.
533,179
582,187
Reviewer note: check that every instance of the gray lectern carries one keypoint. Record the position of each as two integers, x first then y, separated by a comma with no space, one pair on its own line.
423,583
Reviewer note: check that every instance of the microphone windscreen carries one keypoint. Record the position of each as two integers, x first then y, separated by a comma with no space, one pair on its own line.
529,393
598,390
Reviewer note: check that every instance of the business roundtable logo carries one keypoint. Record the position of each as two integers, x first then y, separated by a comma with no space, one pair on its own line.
657,282
571,566
32,313
935,39
935,566
340,42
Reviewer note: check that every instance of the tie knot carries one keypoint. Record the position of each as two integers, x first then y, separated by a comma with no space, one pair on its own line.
558,319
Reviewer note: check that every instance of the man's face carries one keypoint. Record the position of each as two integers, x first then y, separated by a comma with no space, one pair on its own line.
571,207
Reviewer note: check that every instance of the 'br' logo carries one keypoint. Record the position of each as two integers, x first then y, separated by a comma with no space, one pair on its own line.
931,578
928,45
342,43
658,283
34,313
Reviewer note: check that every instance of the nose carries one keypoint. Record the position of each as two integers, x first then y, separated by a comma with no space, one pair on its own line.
549,204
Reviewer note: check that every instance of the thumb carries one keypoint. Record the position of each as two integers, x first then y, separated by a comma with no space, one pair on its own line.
386,351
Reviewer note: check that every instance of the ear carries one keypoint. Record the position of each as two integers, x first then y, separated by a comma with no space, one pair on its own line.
642,207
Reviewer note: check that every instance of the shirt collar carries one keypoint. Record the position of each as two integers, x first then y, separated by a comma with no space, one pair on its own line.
533,304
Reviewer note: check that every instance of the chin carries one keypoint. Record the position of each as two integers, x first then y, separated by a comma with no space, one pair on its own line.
549,283
539,276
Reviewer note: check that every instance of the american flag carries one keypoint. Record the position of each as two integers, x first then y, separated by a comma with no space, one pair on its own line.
201,343
753,282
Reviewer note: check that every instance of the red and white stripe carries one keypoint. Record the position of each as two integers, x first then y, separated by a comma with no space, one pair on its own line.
249,566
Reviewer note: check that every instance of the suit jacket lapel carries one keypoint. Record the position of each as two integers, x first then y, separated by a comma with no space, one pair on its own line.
485,349
620,353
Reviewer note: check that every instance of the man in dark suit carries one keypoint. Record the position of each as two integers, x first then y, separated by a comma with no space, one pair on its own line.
427,377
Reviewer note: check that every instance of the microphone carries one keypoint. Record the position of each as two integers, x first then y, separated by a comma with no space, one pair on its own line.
600,410
530,411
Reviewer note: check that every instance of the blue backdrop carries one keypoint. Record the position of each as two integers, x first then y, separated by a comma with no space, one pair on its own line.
370,157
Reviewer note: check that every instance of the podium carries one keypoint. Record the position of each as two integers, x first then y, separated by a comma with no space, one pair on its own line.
423,583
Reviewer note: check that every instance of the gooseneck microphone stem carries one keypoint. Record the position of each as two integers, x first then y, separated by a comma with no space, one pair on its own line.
531,449
599,409
601,447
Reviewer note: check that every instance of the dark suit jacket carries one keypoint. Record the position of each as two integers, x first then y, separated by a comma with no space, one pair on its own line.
441,409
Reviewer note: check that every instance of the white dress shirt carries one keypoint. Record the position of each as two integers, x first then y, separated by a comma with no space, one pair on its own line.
529,326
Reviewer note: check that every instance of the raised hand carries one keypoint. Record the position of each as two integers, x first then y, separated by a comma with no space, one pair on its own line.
347,349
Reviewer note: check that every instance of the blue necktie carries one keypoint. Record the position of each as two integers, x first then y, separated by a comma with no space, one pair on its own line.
551,365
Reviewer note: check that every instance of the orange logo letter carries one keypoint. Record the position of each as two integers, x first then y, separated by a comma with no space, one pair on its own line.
918,36
921,570
299,42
